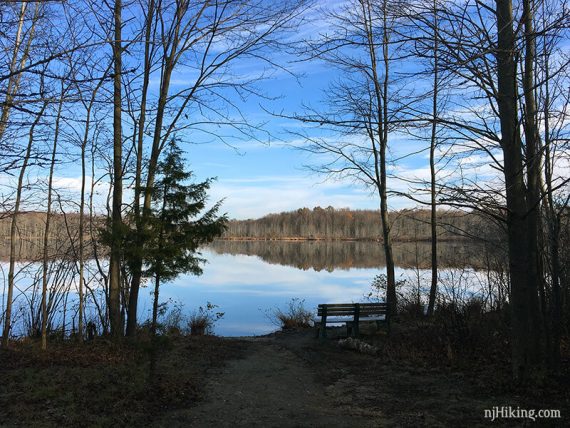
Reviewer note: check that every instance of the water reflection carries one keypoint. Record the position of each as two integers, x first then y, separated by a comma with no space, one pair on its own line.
245,288
246,279
331,255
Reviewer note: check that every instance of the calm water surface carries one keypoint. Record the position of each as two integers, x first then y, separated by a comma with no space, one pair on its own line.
248,279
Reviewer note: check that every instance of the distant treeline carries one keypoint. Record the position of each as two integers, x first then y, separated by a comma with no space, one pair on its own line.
331,223
63,236
318,223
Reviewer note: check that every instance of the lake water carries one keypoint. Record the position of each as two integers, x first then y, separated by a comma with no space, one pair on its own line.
248,279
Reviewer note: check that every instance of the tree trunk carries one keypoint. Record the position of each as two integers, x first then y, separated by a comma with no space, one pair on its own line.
518,235
13,230
47,226
151,172
533,165
137,265
553,220
116,241
103,314
433,142
379,147
14,80
386,227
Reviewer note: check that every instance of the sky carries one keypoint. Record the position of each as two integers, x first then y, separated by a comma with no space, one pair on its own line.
255,177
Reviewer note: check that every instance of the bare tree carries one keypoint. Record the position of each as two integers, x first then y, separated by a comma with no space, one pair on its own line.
13,227
116,221
204,39
20,55
363,106
495,84
553,101
45,259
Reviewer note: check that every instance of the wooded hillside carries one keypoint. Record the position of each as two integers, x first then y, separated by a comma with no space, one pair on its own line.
331,223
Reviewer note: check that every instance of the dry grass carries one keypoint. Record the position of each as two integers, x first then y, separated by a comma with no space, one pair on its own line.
295,316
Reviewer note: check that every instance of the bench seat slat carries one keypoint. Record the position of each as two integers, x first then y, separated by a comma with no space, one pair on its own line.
336,311
335,320
349,314
368,319
351,305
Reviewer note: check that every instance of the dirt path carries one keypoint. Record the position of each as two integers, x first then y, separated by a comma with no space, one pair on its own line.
271,386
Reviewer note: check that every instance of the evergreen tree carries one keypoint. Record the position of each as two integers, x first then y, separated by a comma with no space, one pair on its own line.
178,225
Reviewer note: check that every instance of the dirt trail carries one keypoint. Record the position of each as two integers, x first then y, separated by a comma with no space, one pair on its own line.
273,387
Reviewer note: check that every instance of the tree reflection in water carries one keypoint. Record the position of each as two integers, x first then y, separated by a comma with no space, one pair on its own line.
331,255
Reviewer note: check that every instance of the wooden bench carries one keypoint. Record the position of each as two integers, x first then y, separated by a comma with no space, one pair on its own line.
352,314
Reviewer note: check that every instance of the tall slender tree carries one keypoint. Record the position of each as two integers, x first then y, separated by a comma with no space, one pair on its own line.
363,106
432,162
45,258
116,214
14,225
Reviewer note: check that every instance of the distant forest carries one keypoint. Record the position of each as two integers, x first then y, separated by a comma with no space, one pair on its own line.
331,223
30,227
316,223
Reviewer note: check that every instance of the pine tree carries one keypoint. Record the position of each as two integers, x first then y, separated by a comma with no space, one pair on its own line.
178,225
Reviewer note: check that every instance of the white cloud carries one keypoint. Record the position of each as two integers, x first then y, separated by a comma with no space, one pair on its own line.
256,196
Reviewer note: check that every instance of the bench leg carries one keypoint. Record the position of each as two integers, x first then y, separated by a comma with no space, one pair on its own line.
323,327
356,330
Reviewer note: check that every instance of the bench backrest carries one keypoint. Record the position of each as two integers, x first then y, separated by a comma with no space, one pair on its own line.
349,309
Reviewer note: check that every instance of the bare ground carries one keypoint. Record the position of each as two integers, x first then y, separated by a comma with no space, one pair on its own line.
294,380
271,386
288,379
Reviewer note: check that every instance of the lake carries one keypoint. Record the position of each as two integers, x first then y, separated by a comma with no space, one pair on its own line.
246,279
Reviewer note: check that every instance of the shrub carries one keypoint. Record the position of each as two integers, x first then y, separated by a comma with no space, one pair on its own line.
296,316
172,321
409,303
203,320
378,288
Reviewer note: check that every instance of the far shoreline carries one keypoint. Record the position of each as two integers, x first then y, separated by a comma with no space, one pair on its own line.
322,239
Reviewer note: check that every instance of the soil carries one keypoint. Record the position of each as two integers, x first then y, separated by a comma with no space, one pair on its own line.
287,379
272,385
292,379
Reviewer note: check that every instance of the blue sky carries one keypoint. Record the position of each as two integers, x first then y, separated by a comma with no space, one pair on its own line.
260,177
257,178
266,175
